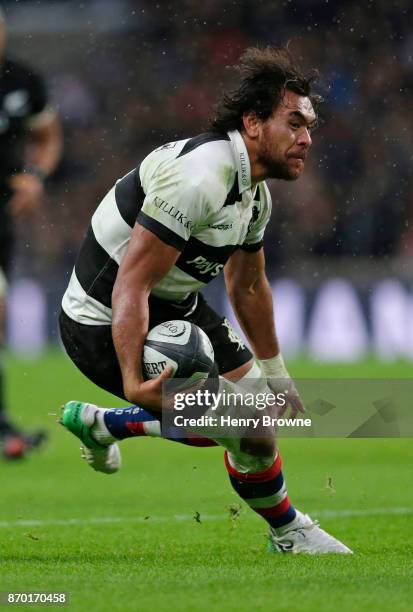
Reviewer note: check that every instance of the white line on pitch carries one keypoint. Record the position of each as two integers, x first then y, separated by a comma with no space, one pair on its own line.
189,517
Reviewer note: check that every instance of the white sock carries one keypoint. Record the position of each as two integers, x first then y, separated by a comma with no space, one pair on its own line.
153,429
99,430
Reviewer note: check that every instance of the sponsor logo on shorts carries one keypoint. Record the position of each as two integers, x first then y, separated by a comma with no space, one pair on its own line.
173,212
233,336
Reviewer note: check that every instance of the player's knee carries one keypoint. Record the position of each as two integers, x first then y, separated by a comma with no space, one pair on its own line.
245,463
258,447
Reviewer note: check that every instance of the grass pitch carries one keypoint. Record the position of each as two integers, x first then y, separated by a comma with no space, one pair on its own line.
168,532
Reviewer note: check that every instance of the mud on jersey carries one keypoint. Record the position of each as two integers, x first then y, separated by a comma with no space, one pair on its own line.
194,195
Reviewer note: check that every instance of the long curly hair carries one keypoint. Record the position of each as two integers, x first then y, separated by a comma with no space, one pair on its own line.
263,76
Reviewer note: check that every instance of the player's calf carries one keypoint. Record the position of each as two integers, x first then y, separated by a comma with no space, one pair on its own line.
260,483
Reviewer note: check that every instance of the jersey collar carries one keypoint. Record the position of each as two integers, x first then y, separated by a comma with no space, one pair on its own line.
242,160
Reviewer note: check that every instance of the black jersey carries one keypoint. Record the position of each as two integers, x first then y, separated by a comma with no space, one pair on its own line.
22,98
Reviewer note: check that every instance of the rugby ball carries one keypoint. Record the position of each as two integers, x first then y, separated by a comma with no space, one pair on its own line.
183,346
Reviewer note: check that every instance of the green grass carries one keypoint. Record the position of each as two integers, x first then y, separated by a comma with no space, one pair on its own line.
156,556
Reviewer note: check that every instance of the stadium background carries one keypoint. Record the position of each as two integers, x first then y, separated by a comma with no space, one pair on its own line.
127,76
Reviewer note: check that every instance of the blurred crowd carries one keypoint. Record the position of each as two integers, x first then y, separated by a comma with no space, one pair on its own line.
122,93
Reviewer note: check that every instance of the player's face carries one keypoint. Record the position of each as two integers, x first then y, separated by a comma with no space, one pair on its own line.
285,137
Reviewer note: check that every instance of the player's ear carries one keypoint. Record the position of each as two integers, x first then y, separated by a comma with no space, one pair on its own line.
251,123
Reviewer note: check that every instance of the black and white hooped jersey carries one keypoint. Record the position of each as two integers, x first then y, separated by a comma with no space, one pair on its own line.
195,195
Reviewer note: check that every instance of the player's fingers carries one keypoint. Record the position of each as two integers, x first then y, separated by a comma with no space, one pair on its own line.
298,404
168,401
168,394
280,411
294,411
165,374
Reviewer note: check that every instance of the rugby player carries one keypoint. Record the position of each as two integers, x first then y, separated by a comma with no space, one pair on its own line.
192,209
30,145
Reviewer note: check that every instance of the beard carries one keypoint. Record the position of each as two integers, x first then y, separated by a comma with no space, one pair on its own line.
278,168
281,170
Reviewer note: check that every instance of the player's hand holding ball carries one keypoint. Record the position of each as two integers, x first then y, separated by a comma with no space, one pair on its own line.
279,381
149,393
175,349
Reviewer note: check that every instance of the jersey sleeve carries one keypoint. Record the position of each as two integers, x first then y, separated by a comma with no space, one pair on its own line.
261,213
174,203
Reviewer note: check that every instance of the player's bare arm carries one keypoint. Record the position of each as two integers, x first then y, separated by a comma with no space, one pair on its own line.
146,262
44,146
42,156
251,299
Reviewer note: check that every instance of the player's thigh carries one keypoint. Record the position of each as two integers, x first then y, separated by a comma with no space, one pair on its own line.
230,351
91,349
233,356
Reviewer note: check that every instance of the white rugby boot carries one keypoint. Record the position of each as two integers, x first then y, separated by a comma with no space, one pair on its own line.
107,460
304,536
80,419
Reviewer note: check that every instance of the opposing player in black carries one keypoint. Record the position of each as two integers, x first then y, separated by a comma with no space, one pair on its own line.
30,145
192,209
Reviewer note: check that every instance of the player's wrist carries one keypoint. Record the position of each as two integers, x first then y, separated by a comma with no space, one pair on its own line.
274,367
131,387
132,394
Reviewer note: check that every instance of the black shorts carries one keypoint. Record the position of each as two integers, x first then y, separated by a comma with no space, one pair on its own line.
6,237
91,346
